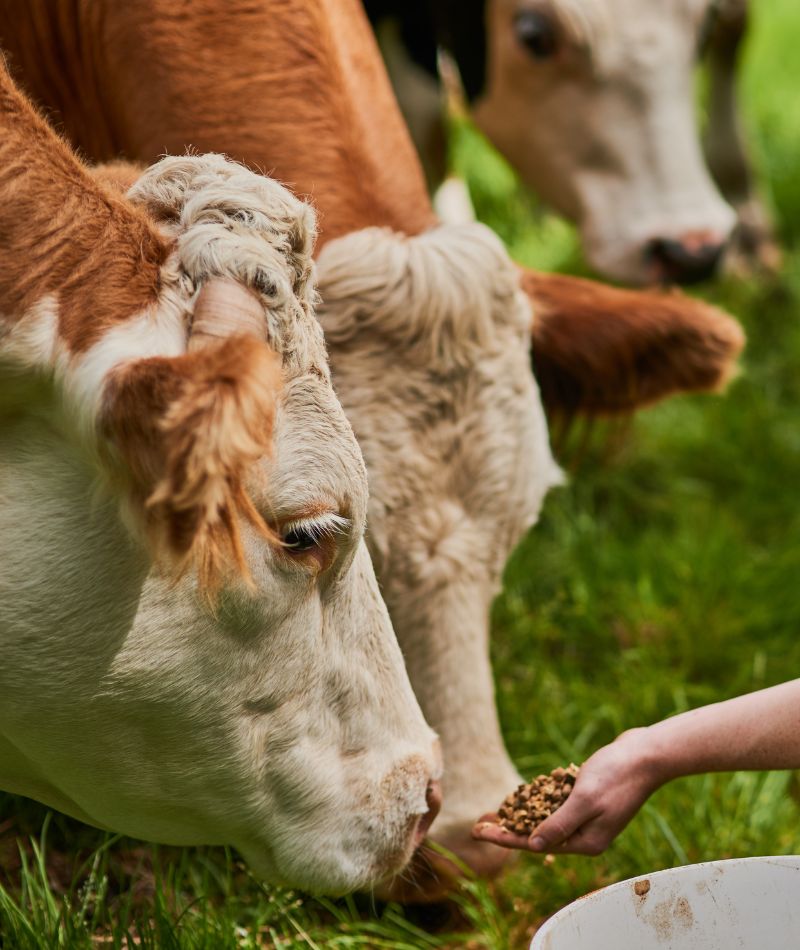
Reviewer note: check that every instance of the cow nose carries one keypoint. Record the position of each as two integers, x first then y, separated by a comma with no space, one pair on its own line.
433,799
686,260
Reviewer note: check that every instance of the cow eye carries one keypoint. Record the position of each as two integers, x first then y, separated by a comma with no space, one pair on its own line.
315,540
300,539
537,33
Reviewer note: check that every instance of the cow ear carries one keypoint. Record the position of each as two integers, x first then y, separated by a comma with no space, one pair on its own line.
598,350
187,430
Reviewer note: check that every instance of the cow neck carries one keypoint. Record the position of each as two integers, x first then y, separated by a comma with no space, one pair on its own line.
295,88
63,234
48,54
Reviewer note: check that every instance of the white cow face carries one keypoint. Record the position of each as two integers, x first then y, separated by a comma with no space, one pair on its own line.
278,717
593,101
282,721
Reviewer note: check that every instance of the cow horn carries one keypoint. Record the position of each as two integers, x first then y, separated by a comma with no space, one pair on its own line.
225,308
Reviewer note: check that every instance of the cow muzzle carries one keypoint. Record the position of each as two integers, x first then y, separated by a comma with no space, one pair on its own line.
689,259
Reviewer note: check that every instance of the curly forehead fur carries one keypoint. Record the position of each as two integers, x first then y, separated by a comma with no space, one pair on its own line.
448,293
224,218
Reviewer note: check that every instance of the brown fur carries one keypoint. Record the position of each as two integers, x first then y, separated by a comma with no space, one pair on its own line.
297,87
598,350
64,233
189,428
293,87
119,176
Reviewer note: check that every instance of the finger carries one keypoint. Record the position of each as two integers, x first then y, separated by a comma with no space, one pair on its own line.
553,834
496,834
587,841
487,828
562,824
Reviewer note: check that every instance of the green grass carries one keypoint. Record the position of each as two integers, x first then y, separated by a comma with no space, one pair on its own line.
662,578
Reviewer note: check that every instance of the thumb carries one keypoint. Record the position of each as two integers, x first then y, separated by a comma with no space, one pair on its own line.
561,825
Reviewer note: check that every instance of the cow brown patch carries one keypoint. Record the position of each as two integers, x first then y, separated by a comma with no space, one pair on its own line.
66,234
118,176
340,140
188,428
599,350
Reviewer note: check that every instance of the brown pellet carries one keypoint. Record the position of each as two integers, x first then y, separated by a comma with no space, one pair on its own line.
528,805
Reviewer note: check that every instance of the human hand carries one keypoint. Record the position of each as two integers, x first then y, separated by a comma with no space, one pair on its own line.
611,787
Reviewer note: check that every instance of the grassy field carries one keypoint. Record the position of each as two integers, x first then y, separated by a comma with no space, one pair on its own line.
662,578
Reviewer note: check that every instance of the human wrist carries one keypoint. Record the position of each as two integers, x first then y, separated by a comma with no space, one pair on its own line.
650,755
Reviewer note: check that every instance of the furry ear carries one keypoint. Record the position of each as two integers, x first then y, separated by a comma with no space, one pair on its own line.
598,350
187,428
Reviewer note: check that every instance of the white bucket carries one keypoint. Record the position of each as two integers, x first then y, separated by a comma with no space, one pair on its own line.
743,904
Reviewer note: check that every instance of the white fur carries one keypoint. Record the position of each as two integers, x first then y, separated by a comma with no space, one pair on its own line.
33,344
452,202
429,339
156,332
443,296
607,133
282,723
228,221
32,341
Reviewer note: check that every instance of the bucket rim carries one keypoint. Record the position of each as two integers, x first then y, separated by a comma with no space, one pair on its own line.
537,943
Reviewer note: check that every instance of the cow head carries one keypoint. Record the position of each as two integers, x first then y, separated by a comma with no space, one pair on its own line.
194,645
429,342
429,338
593,102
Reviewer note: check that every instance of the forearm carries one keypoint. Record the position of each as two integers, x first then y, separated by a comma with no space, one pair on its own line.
760,730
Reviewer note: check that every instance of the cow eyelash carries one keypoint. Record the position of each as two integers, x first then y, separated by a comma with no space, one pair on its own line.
304,535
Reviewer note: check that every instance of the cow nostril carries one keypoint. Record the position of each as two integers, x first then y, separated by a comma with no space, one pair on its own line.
433,799
685,261
433,796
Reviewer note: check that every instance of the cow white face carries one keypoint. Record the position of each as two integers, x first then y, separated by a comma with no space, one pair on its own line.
282,721
593,102
278,717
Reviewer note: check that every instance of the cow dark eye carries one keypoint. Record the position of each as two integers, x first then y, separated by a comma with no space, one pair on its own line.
314,542
537,33
300,539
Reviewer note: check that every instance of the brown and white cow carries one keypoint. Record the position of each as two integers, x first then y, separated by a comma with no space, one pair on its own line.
429,334
194,647
592,102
